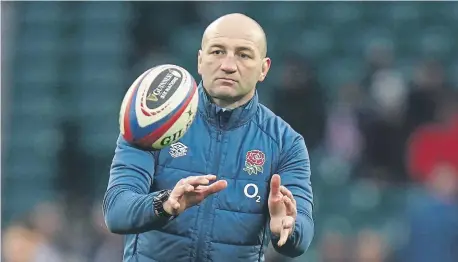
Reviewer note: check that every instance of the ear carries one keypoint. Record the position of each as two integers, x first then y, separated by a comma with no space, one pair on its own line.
265,68
199,61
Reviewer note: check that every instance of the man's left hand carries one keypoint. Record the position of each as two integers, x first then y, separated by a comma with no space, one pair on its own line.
282,209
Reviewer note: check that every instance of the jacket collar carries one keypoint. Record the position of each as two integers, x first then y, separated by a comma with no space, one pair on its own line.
216,116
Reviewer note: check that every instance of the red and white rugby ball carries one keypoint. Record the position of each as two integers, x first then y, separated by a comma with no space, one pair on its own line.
159,107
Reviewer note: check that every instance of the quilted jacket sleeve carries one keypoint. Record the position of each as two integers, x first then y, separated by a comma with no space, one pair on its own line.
128,204
294,170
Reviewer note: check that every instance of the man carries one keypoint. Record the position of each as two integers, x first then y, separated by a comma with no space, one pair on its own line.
170,209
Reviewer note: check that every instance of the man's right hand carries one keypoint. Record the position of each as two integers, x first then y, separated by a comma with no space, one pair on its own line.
191,191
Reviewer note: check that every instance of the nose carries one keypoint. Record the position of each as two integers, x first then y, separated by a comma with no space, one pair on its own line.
228,64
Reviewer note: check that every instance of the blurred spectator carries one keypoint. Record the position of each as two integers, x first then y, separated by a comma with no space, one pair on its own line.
47,220
388,92
436,142
425,92
19,243
73,178
343,137
105,246
300,100
383,121
370,247
35,239
433,218
379,56
334,247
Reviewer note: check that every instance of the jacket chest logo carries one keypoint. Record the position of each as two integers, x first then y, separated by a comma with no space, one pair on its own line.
178,149
254,162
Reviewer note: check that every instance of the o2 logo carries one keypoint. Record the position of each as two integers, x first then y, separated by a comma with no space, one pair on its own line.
251,191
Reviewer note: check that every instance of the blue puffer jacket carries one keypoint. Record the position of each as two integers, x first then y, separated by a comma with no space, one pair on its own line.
245,148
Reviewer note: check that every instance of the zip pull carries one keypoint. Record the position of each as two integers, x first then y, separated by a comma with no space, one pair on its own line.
219,135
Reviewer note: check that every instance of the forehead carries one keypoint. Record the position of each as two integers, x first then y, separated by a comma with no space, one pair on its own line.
232,43
233,37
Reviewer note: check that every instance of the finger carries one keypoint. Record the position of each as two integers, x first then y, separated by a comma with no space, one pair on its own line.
210,177
287,192
275,185
181,182
188,188
290,206
287,224
174,203
198,180
179,190
214,188
283,237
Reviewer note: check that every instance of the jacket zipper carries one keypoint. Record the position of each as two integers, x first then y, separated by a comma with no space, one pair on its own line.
209,203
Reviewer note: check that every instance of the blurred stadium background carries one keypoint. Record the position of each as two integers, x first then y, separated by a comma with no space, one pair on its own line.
371,86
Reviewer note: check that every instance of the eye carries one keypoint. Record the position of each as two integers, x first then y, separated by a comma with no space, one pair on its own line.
244,56
216,52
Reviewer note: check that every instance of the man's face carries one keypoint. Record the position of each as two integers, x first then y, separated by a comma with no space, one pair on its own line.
231,63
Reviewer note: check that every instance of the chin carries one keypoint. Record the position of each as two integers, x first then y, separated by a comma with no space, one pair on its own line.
221,91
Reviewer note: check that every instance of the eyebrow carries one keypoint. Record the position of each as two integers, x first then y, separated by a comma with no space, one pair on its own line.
217,46
240,48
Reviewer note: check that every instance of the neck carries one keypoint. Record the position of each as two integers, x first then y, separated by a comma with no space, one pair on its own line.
234,103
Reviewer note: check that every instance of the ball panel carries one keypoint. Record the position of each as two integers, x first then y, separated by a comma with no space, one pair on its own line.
128,117
123,110
181,126
127,99
166,127
163,87
165,107
155,129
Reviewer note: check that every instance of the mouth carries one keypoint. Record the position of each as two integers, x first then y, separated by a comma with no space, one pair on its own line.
226,79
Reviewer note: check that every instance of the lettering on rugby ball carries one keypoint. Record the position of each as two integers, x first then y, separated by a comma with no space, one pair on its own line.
163,87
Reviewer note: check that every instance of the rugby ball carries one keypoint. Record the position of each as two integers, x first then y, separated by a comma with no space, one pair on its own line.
159,107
